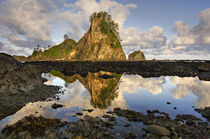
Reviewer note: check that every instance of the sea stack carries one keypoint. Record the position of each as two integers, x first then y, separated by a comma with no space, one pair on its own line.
101,42
136,55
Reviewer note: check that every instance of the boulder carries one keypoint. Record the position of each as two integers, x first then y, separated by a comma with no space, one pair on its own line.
158,130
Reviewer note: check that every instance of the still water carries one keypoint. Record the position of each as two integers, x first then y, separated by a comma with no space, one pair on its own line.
104,91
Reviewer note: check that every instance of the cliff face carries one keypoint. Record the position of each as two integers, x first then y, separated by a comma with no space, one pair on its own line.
137,55
99,43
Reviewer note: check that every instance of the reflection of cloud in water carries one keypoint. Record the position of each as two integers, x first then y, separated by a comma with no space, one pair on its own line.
192,85
131,83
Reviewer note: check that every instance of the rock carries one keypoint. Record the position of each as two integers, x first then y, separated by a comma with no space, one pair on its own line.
164,137
158,130
56,106
79,113
204,112
112,118
108,123
90,110
204,68
106,76
174,134
191,122
137,55
20,84
28,136
130,135
186,117
52,136
204,76
106,116
118,134
23,89
127,125
100,42
91,119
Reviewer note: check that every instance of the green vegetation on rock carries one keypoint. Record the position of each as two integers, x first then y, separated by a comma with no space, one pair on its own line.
68,79
107,92
36,53
110,28
59,51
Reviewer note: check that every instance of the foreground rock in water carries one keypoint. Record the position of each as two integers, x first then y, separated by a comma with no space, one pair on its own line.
137,55
158,130
204,112
39,127
20,84
90,127
163,126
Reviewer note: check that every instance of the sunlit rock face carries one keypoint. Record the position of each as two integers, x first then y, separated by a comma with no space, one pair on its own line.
187,85
99,43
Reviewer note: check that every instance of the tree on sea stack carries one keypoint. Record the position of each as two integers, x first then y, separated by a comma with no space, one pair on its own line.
65,37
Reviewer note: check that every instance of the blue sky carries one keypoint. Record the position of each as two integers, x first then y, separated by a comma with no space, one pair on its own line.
164,13
162,29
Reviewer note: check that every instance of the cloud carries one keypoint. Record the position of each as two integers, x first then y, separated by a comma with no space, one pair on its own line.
28,18
152,39
187,85
24,24
131,84
196,38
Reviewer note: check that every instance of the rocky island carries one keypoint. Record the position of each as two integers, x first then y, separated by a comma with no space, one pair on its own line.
100,42
137,55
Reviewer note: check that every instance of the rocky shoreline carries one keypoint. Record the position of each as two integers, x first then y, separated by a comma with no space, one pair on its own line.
162,126
19,85
144,68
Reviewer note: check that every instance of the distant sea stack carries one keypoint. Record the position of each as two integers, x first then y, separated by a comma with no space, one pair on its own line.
136,55
100,42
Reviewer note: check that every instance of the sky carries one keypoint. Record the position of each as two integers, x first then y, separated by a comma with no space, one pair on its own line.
162,29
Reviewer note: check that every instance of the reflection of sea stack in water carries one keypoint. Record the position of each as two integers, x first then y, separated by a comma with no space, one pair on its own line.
102,90
101,85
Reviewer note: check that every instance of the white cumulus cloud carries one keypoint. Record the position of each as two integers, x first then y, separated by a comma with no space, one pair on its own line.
196,38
